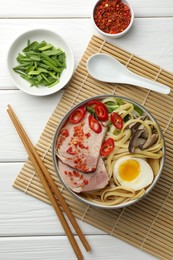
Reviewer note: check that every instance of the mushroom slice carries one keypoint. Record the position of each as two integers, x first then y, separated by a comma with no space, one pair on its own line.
145,133
135,141
150,141
136,125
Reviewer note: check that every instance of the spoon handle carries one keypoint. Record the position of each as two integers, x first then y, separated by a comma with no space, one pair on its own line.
149,84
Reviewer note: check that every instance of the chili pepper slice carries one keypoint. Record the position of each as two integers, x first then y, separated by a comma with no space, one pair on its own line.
101,111
107,147
117,120
77,115
92,103
94,124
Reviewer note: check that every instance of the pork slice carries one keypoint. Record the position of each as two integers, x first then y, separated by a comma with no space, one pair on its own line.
84,182
80,147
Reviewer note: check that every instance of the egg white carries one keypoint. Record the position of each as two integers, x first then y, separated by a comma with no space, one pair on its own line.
144,178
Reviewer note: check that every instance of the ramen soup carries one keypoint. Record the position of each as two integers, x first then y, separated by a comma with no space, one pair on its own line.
109,151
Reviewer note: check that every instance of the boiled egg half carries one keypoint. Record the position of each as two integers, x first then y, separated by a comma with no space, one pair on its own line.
134,173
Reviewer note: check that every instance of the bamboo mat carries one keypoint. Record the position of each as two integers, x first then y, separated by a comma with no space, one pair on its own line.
148,224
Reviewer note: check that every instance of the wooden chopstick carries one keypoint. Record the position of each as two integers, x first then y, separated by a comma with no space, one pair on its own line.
48,182
49,192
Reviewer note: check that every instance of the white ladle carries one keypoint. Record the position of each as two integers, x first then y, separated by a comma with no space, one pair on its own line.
106,68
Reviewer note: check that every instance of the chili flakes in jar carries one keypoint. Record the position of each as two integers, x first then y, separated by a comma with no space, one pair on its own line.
112,16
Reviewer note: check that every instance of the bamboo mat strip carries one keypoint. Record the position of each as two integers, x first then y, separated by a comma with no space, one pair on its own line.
148,224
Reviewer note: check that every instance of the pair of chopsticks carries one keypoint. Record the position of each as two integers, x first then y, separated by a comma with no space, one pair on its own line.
50,187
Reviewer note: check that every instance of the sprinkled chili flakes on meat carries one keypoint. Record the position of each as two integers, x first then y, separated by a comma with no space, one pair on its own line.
82,182
76,177
81,148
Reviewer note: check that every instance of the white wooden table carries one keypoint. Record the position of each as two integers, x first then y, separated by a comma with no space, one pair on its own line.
29,228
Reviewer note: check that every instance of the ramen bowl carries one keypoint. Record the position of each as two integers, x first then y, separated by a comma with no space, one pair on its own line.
127,168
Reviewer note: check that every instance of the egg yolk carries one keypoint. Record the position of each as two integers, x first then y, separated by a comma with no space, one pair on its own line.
129,170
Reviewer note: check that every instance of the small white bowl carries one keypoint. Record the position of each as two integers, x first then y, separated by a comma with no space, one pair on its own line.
39,35
117,35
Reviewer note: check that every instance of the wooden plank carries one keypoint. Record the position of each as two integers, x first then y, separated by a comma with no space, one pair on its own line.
53,247
77,8
28,109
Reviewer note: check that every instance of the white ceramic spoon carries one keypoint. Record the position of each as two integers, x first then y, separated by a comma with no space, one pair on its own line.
105,68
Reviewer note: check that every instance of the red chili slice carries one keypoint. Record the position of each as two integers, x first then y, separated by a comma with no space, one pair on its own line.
92,103
117,120
101,111
107,147
77,115
94,124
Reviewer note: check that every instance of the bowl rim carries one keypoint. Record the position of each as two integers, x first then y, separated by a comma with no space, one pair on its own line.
32,31
116,35
54,157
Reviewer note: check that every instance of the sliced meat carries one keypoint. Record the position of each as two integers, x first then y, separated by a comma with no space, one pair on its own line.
78,146
82,182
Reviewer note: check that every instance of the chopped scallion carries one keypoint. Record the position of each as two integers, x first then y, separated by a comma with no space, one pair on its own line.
41,64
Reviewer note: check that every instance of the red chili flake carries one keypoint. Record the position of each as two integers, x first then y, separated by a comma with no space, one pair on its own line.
77,160
78,130
85,181
69,173
65,172
87,135
63,135
80,164
112,16
65,132
82,146
70,151
76,174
